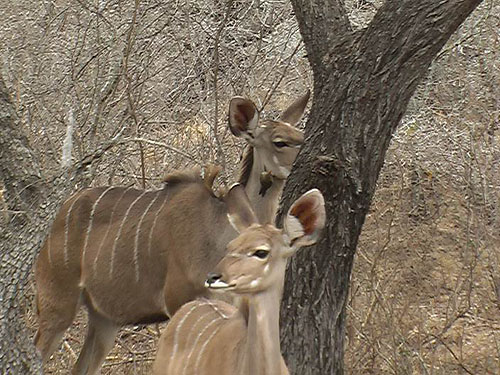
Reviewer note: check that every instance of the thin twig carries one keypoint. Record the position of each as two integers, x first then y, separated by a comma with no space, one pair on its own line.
99,152
70,350
161,144
283,74
130,360
454,355
220,152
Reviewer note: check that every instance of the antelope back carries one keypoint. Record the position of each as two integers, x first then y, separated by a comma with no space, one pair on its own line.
186,345
116,244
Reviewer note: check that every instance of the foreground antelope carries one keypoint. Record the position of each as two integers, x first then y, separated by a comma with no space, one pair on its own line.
207,337
135,256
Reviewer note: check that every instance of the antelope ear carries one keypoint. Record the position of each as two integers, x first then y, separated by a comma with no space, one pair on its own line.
305,220
239,210
294,113
243,117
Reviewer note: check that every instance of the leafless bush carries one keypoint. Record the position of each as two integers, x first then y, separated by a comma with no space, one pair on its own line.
156,71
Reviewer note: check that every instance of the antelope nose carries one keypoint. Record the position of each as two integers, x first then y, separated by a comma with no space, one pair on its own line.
213,278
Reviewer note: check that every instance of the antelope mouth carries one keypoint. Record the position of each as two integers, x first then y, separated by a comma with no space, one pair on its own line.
218,284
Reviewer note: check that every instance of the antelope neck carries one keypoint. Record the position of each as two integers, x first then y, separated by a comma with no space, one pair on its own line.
262,353
266,205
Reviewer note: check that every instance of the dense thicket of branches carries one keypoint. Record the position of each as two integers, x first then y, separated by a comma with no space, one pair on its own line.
145,86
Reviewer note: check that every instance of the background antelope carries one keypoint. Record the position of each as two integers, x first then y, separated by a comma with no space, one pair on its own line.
134,256
213,337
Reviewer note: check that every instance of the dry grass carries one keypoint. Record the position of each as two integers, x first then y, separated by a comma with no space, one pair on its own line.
422,295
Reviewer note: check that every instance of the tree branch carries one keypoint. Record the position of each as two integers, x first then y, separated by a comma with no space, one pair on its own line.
396,51
321,22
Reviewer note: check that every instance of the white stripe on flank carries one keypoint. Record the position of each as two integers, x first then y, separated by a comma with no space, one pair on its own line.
177,330
120,232
193,347
137,232
66,230
91,220
217,310
109,226
157,214
72,196
194,326
203,347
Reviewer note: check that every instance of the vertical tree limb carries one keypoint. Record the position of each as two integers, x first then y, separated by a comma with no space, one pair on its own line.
363,82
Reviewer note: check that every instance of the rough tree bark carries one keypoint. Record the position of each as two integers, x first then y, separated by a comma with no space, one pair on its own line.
24,193
363,82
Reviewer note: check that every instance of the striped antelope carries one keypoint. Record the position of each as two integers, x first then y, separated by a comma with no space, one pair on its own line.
134,256
207,337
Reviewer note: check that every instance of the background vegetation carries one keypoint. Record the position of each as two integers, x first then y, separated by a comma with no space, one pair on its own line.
425,291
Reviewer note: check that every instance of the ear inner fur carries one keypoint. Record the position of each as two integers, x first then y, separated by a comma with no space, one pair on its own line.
241,116
245,112
305,214
239,209
210,174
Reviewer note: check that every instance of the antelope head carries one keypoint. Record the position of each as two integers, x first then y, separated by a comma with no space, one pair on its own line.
256,259
277,142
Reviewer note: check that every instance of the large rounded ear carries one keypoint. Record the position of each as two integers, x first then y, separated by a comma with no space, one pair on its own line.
243,117
239,210
294,113
305,220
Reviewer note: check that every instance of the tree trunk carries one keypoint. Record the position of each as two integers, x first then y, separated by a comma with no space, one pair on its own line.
363,82
29,204
20,176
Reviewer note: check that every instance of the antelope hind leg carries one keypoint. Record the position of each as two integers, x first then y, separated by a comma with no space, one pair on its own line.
99,341
55,315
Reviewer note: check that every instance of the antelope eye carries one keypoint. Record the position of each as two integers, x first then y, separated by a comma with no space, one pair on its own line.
261,254
280,144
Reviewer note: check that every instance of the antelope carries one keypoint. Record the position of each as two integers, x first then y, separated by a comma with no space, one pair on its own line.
207,337
135,256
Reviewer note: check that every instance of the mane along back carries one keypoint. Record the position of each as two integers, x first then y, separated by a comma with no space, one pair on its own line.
205,176
246,166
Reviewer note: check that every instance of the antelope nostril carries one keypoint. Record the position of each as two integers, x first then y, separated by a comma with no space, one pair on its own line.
213,277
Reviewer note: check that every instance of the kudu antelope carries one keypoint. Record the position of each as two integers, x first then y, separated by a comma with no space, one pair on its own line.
134,256
207,337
